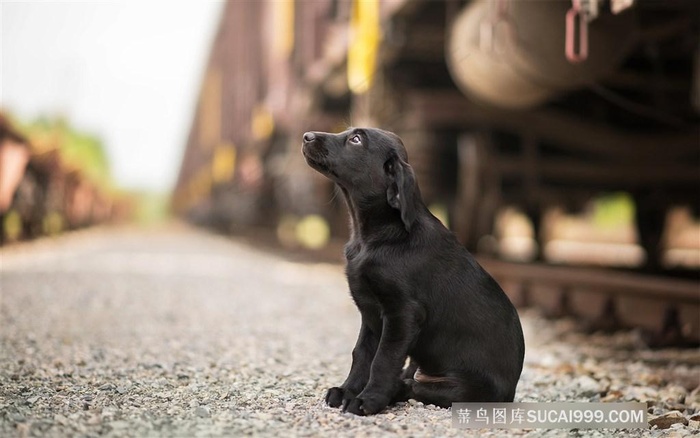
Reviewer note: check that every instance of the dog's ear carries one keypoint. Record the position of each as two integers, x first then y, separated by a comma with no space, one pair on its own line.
401,189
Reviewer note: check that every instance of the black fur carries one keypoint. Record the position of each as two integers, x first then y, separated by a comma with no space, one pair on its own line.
421,294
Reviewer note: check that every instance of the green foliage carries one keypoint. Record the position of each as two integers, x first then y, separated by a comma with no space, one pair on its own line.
79,150
151,207
12,226
613,210
53,223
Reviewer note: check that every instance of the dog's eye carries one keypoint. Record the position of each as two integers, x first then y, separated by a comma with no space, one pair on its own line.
355,139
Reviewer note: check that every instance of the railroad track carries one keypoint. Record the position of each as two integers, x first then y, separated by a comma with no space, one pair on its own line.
667,310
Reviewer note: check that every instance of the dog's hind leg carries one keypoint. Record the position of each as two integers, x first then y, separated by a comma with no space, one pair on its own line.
438,394
443,391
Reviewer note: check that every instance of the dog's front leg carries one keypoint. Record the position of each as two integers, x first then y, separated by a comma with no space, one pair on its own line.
362,356
398,333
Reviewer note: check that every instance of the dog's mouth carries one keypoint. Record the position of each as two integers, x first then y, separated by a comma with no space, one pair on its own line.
318,164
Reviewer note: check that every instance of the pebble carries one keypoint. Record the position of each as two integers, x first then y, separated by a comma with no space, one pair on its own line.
668,420
122,389
693,399
641,394
202,412
587,386
119,424
19,418
673,394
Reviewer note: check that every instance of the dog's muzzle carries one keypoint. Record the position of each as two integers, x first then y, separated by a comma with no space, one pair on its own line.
315,153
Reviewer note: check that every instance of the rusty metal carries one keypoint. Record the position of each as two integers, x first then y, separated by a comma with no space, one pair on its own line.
14,156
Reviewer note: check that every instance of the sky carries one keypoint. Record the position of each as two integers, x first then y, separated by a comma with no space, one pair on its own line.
127,71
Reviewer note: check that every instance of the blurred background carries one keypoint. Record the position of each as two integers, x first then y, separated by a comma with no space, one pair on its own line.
549,132
101,95
557,130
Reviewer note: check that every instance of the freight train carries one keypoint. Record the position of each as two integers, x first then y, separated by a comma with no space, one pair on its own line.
43,191
535,106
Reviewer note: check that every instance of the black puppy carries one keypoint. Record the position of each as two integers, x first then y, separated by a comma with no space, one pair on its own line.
421,294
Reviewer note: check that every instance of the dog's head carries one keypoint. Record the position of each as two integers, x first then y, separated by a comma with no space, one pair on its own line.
369,163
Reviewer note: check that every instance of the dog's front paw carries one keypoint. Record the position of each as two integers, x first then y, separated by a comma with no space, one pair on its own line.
337,397
366,404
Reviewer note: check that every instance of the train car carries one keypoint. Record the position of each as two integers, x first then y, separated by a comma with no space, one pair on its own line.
535,106
44,193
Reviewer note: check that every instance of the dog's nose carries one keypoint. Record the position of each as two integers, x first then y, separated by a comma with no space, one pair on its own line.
309,137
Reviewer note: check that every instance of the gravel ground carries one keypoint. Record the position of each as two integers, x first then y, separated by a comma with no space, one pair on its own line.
174,332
